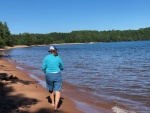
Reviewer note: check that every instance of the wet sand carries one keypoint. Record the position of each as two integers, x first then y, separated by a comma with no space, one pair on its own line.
33,98
19,93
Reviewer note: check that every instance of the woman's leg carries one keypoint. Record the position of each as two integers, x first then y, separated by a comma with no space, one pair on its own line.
52,98
57,98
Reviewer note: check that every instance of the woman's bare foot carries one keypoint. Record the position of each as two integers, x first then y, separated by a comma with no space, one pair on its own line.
55,107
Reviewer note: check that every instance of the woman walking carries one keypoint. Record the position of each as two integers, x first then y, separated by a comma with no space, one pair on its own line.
52,66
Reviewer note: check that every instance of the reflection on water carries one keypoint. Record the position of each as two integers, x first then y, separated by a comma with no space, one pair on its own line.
118,72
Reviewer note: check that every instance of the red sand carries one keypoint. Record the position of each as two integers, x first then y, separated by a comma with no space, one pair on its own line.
25,94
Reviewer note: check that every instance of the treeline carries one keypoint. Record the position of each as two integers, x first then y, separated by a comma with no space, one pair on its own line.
5,35
84,36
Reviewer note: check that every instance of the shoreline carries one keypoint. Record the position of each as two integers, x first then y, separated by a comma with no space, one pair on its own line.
21,46
81,104
25,94
71,90
2,50
82,101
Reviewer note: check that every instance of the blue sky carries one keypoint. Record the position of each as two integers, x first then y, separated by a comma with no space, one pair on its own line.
46,16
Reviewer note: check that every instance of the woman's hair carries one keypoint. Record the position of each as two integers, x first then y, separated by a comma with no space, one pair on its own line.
54,52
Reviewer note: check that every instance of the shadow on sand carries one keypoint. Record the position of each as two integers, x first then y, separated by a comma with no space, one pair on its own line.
59,103
9,104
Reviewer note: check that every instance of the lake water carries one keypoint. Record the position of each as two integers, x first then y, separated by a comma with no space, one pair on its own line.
115,74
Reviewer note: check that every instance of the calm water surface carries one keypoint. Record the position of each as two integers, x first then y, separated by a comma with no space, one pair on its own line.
117,73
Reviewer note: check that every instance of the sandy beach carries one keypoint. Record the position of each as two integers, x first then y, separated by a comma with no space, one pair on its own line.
21,94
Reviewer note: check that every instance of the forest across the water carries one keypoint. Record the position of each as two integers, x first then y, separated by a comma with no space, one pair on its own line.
82,36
